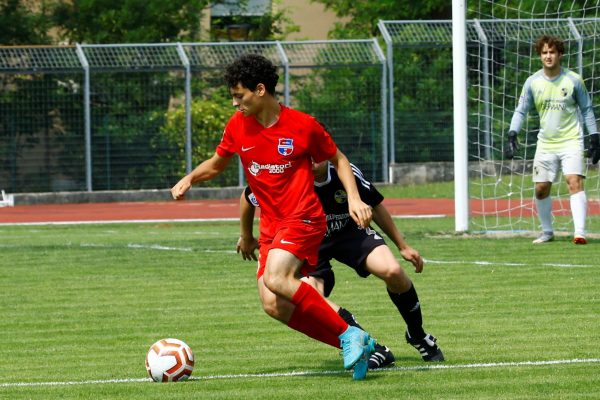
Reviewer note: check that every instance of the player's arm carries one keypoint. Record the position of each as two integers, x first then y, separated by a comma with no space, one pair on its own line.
518,118
587,112
207,170
384,220
360,212
247,243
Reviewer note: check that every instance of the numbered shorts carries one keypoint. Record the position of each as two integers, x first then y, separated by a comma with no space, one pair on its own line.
546,164
351,248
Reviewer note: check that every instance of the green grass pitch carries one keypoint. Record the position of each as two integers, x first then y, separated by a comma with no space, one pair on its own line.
81,304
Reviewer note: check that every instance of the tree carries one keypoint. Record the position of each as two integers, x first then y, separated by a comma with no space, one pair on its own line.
208,119
362,16
20,25
128,21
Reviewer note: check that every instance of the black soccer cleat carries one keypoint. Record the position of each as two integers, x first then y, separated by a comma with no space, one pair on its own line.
427,347
382,357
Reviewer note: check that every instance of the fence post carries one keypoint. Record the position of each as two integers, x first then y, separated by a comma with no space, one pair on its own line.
188,107
390,87
87,117
384,122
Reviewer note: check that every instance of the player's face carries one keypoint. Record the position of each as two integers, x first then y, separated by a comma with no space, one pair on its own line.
550,57
245,100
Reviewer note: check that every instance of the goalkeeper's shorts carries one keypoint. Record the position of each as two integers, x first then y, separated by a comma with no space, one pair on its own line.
546,164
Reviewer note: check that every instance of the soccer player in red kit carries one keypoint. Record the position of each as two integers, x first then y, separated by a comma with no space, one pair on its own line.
276,146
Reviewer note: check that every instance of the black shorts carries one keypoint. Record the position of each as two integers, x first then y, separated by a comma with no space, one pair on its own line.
350,248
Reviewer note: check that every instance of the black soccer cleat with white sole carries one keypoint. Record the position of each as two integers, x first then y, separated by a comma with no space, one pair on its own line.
382,357
427,347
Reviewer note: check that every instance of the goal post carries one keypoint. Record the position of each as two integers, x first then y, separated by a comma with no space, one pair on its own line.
499,51
459,73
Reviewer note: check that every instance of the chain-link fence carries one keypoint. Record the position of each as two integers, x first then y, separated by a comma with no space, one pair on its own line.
99,117
112,117
499,53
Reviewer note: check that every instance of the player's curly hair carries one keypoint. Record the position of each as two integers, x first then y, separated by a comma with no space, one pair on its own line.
250,70
551,41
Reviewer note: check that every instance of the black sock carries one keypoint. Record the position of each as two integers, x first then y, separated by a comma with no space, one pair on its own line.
409,307
349,318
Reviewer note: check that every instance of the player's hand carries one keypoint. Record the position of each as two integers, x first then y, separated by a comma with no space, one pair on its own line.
247,247
360,212
513,145
411,255
594,149
178,191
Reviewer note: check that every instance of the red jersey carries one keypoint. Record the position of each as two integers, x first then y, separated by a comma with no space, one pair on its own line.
277,162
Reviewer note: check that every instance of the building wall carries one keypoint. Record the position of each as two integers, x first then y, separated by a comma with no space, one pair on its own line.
312,18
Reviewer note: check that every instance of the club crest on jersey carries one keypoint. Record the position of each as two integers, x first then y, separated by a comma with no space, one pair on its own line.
285,146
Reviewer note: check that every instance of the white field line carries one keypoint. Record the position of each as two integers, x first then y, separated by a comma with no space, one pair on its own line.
163,221
508,264
428,261
317,373
158,247
135,246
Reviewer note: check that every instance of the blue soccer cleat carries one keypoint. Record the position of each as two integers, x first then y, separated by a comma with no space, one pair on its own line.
362,365
357,347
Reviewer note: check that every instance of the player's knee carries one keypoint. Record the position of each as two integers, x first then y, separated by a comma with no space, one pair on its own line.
542,191
397,280
270,308
276,283
575,184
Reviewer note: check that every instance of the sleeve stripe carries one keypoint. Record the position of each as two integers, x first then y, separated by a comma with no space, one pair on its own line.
358,173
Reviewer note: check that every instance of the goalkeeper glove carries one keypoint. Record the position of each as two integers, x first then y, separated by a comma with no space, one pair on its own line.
512,145
594,149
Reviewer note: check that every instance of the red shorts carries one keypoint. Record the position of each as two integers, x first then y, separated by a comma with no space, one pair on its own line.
299,238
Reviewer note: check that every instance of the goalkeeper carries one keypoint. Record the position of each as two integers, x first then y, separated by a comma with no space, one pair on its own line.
557,93
364,250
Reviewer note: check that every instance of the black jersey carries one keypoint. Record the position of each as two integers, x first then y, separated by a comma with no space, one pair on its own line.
334,199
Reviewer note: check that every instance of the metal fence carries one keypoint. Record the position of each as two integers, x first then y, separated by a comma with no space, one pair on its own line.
112,117
99,117
499,59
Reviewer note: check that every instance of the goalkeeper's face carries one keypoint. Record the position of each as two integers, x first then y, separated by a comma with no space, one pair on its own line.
550,57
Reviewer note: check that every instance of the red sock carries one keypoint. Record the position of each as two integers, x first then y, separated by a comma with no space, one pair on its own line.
315,318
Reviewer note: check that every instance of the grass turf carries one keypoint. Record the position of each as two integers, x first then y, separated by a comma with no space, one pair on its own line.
81,304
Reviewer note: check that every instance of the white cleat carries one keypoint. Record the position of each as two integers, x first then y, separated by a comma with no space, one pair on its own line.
545,237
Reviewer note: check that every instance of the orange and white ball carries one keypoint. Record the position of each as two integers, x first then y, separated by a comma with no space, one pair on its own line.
169,360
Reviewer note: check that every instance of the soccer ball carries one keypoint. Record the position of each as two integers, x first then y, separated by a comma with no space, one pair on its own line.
169,360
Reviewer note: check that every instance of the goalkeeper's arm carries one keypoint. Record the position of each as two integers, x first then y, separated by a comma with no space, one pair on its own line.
513,145
594,148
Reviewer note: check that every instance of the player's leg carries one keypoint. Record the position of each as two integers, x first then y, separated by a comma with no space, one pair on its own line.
573,169
323,279
578,201
284,264
545,166
282,310
382,263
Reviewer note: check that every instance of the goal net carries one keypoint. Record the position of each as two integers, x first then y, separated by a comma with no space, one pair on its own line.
501,56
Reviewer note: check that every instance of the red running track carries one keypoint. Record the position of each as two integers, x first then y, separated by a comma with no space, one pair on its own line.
226,209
